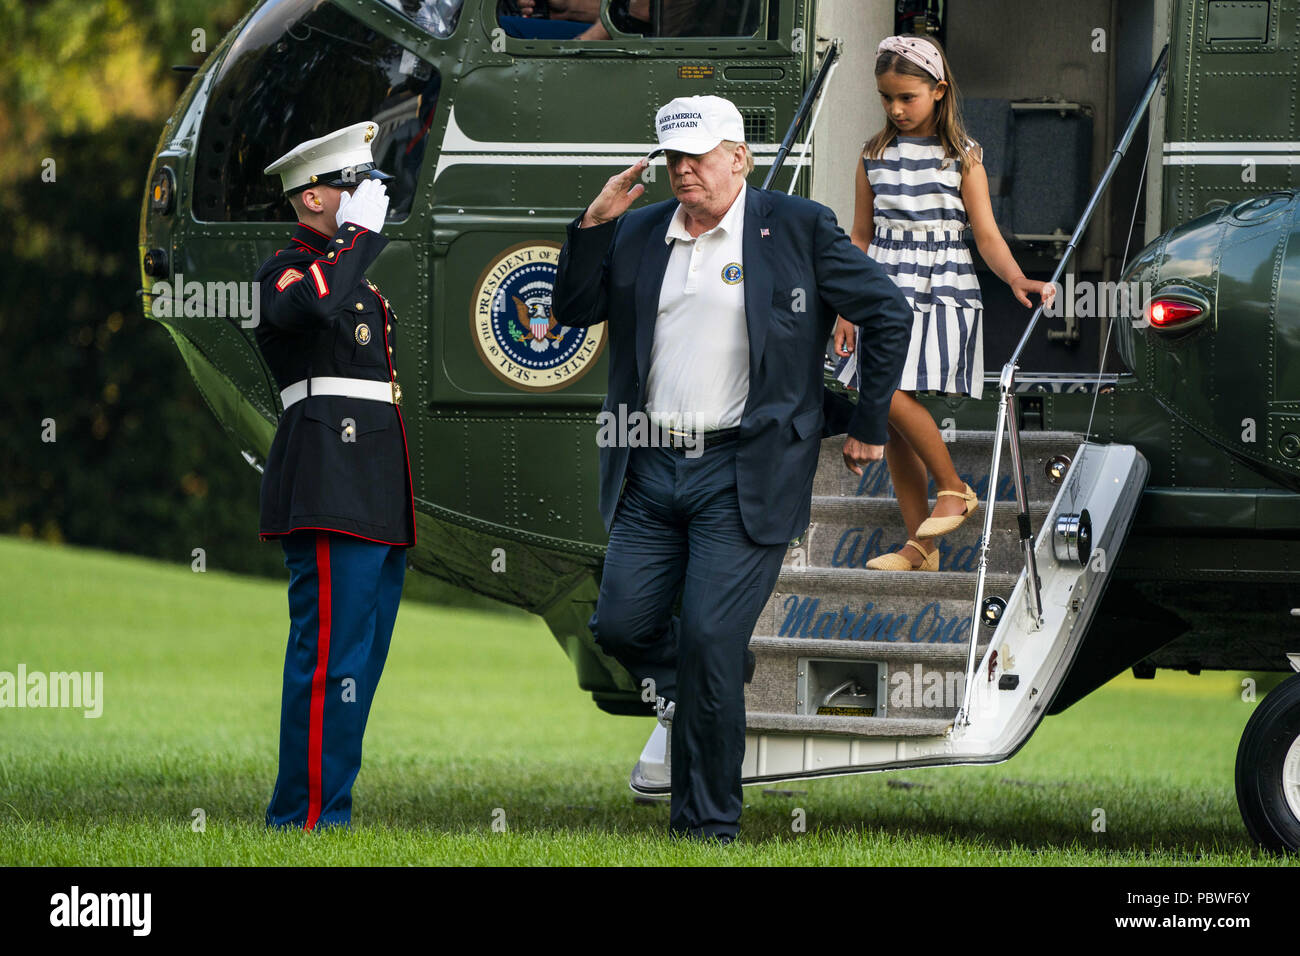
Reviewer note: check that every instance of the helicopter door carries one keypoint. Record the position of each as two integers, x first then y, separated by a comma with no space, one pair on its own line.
1037,636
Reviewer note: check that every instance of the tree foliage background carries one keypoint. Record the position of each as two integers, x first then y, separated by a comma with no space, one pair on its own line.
139,462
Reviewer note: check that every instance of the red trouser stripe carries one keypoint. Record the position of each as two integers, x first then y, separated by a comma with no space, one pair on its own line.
315,734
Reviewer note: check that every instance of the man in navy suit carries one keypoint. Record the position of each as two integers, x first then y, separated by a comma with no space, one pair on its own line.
720,304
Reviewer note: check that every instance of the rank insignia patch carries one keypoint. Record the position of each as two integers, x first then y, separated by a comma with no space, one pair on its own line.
287,278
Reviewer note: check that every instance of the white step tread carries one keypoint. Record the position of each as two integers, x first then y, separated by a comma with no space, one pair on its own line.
894,652
918,583
854,726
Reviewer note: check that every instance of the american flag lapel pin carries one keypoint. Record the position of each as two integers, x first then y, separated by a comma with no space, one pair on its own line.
764,232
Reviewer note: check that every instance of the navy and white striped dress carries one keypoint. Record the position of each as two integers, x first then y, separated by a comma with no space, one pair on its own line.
919,218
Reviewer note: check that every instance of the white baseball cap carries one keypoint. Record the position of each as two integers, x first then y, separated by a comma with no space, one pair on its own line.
696,124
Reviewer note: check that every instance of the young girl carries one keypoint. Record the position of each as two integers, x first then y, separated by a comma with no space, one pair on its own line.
919,184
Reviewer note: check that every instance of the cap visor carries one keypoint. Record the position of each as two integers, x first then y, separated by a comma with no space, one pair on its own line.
690,146
355,178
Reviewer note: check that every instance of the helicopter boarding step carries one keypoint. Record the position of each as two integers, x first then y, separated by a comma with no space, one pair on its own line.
866,670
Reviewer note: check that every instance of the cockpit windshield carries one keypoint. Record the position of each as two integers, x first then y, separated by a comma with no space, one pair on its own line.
300,69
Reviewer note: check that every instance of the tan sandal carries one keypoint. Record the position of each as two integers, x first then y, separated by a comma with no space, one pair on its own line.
894,561
933,527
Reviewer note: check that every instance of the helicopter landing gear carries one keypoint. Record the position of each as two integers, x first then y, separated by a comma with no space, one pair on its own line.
1268,770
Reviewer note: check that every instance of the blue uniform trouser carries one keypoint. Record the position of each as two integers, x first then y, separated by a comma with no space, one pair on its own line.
343,597
678,527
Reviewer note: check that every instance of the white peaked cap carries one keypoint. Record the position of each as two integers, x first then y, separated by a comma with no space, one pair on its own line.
696,124
326,160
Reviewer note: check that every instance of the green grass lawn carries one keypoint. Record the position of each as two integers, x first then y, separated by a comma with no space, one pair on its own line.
479,712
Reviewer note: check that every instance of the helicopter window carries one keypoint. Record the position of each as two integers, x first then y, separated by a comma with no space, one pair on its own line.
708,18
580,19
438,17
297,74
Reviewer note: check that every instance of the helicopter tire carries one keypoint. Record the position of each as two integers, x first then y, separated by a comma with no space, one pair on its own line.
1268,770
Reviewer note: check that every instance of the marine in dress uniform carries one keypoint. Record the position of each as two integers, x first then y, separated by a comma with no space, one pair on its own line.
336,490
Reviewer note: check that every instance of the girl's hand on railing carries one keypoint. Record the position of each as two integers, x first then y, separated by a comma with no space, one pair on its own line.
1021,287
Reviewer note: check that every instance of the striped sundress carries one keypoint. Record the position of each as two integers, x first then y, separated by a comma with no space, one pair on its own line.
919,217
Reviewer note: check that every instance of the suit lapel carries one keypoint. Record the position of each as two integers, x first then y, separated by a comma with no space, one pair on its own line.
649,281
755,248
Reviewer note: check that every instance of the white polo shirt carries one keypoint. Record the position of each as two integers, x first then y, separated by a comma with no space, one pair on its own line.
699,362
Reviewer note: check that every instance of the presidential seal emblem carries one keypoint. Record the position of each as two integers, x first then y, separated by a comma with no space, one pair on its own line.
512,325
363,333
732,273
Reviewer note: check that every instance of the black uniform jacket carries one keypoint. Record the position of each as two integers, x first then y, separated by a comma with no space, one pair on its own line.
337,463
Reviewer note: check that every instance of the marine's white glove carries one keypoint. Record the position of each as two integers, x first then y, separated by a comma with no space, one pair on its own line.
366,206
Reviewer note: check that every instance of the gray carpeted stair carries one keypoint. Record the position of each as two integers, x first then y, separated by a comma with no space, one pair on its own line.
848,532
971,452
906,634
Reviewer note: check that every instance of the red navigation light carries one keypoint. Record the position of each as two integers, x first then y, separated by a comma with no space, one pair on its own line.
1171,313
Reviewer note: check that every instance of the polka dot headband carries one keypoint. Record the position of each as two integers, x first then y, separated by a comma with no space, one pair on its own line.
923,54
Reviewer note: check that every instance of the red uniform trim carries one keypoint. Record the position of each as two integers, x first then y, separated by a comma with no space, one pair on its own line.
316,721
266,535
410,490
302,233
406,450
338,253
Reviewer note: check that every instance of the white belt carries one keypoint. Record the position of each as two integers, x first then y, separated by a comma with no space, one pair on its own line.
334,385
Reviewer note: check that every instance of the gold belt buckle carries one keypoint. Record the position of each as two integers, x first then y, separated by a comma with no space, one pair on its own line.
397,394
688,438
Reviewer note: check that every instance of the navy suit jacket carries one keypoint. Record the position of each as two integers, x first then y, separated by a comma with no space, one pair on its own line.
797,277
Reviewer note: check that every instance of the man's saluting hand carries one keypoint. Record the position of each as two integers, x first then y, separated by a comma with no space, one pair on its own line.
618,194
